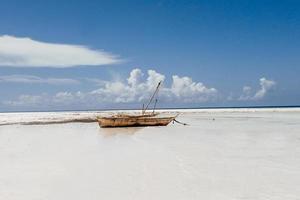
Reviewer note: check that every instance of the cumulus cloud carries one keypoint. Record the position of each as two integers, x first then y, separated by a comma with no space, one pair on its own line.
35,79
135,77
137,89
265,86
184,88
26,52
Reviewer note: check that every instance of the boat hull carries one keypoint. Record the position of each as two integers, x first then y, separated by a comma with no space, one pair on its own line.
106,122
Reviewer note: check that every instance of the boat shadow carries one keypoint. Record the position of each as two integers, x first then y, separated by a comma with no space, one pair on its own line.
108,132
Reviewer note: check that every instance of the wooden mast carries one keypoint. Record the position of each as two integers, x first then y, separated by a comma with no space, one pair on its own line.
155,92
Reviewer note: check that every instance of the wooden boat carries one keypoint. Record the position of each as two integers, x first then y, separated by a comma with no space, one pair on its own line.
143,119
135,120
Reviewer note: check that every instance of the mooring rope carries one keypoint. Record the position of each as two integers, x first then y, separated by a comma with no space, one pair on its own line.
174,120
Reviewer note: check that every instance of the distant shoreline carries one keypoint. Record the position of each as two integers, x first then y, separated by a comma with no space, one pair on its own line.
163,108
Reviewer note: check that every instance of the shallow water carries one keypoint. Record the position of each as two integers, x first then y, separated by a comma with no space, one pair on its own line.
220,155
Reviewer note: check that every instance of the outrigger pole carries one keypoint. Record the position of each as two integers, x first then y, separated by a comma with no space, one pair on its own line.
153,95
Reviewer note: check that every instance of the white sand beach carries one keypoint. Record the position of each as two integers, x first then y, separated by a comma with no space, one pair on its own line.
222,154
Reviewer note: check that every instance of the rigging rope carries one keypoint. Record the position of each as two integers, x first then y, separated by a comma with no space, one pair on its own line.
156,91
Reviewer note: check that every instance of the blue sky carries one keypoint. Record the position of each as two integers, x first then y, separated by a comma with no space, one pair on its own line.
222,53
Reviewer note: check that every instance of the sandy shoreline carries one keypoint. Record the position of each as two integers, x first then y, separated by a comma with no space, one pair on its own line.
238,155
32,118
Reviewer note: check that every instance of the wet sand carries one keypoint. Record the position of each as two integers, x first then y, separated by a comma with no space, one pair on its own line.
220,155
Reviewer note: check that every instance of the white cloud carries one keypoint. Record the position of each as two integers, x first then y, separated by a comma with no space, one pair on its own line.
184,88
246,95
135,77
265,87
28,100
25,52
35,79
98,82
137,89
